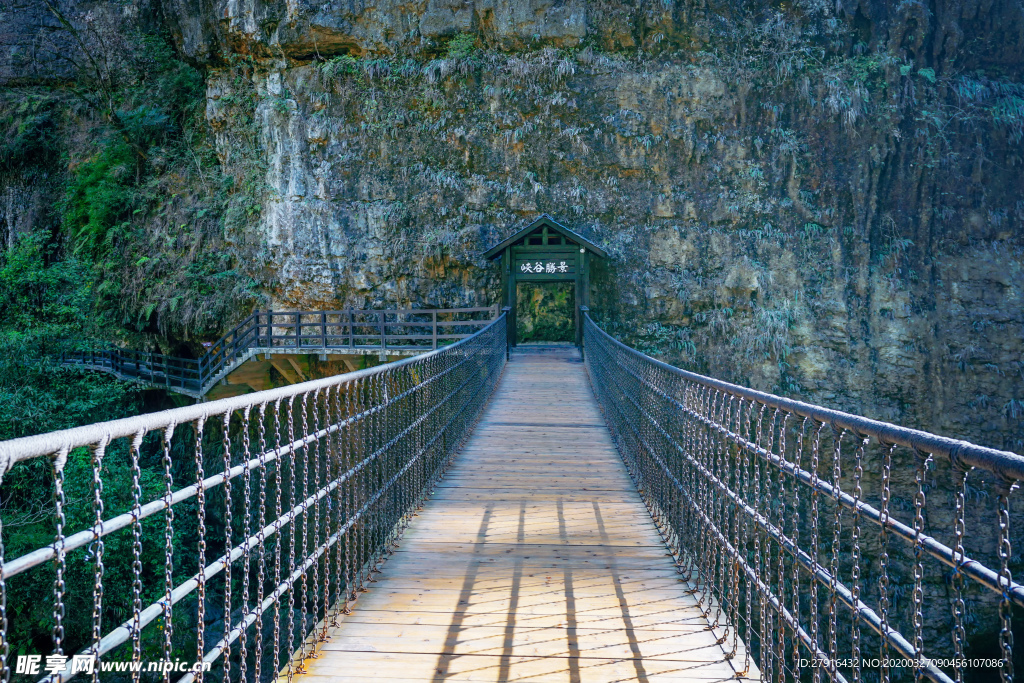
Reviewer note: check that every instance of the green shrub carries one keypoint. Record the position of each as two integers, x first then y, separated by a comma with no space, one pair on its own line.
462,46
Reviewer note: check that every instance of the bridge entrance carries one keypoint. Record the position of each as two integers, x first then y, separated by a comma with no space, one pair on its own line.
545,311
543,253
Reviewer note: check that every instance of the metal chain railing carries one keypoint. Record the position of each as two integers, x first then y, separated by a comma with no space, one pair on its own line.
231,533
832,544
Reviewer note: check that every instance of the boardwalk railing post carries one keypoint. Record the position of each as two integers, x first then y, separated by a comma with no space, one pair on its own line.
433,330
270,331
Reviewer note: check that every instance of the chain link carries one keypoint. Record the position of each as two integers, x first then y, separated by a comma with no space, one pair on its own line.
815,495
923,461
304,549
858,492
959,527
833,605
290,616
243,655
780,576
96,549
201,531
59,587
745,543
883,562
1005,581
261,549
758,557
278,525
167,606
795,514
338,463
136,556
228,539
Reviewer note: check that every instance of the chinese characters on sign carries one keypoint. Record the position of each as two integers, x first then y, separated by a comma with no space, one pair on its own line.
540,267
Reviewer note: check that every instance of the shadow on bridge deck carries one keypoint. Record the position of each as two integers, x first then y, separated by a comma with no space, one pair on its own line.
535,559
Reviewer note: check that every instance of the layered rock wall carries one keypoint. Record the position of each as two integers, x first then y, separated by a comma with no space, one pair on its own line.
761,241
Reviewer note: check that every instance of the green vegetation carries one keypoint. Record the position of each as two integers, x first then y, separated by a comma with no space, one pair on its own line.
44,302
139,196
544,312
127,242
462,46
131,234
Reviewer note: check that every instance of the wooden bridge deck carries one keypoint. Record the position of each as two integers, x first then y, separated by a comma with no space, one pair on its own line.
535,560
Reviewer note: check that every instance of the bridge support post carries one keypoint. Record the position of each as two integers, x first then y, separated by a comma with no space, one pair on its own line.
510,332
579,329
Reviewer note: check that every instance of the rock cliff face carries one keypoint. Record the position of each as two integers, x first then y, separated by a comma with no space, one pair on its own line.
821,203
949,33
819,200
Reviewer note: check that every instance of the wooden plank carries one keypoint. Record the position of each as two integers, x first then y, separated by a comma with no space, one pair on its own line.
535,558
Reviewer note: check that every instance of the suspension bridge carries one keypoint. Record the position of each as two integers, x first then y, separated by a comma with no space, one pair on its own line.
490,512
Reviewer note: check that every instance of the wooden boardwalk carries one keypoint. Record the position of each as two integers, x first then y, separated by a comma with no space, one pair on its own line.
535,560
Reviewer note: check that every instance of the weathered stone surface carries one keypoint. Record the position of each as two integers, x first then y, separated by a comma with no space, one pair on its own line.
23,206
30,41
304,30
386,196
